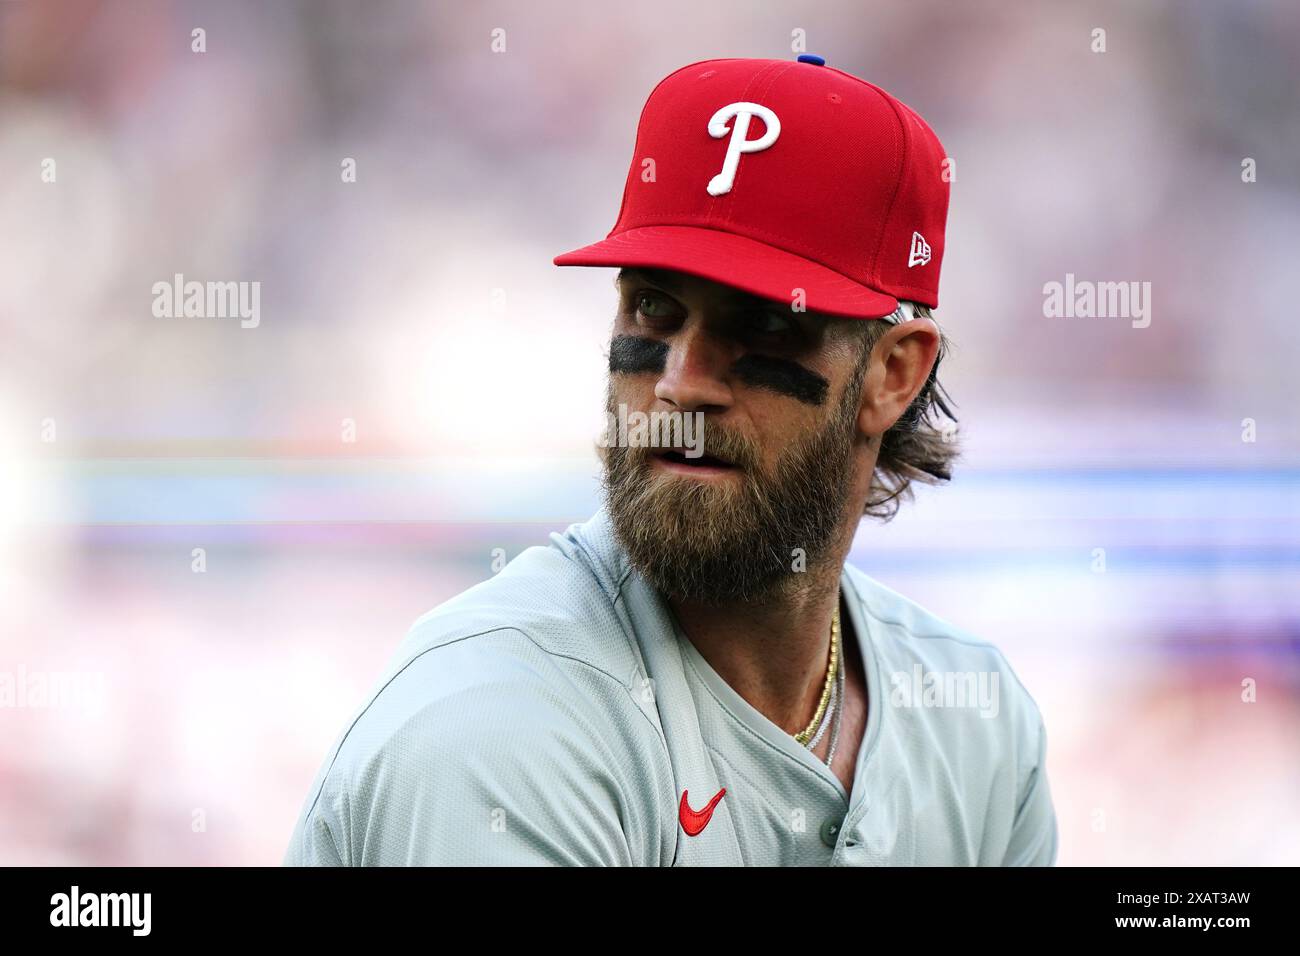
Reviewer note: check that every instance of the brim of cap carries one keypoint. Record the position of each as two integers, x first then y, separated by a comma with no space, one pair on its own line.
737,261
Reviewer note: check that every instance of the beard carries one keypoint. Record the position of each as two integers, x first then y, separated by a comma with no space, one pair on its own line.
717,542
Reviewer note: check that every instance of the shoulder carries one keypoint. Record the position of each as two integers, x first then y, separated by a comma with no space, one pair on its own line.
983,732
910,640
560,601
504,730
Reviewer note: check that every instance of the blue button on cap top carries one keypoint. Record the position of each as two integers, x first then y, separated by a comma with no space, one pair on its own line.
812,58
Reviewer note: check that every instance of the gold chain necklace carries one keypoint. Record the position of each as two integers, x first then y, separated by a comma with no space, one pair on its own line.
803,736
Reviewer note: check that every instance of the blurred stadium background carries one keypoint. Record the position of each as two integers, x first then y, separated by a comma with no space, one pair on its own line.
420,303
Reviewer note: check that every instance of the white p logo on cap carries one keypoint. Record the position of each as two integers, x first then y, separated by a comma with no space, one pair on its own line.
722,182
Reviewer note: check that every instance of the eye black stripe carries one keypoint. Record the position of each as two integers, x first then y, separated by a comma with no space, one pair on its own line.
631,354
782,376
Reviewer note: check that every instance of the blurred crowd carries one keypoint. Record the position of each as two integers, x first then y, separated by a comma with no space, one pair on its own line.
424,386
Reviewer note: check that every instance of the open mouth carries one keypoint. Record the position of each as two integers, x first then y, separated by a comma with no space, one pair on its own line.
700,461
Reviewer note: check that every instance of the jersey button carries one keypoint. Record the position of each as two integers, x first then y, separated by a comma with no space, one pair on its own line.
831,831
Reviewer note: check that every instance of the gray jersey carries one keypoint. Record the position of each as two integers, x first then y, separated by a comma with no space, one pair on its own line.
556,714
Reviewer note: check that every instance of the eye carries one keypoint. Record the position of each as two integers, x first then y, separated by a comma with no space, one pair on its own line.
652,305
770,323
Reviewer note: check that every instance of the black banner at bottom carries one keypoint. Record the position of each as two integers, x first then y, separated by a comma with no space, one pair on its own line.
238,905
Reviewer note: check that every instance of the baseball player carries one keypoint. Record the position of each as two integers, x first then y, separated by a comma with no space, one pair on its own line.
695,676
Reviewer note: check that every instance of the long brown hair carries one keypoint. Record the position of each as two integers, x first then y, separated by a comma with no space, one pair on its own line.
920,446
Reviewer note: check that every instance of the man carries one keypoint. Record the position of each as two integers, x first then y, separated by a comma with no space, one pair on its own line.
695,676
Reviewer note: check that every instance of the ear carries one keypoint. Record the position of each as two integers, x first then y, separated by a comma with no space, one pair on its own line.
897,370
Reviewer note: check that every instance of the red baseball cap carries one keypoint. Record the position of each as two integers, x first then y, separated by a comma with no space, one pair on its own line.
775,176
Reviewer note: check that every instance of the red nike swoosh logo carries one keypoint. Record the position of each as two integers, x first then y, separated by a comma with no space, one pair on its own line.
693,821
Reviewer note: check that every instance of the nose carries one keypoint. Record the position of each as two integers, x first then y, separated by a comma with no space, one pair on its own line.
694,377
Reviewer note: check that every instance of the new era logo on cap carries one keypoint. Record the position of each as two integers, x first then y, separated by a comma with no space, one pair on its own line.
919,254
784,179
